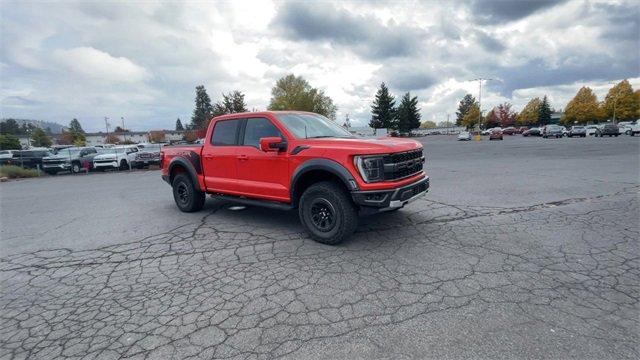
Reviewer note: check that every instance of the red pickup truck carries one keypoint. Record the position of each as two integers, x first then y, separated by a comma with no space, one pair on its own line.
291,159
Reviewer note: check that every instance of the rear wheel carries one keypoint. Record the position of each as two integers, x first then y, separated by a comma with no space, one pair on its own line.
327,213
187,197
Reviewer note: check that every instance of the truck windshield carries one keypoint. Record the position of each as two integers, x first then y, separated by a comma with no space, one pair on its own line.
312,126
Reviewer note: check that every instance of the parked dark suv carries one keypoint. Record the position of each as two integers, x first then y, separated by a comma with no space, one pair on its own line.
72,159
608,129
552,131
30,159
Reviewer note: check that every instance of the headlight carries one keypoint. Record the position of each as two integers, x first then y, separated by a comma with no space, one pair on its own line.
371,168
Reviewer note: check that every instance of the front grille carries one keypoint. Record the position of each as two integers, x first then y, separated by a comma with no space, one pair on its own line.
402,165
53,162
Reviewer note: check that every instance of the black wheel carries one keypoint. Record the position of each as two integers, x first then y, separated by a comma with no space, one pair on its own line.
187,197
124,165
628,132
51,172
616,135
327,213
75,167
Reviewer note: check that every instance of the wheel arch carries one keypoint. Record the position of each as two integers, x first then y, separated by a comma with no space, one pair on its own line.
316,170
178,165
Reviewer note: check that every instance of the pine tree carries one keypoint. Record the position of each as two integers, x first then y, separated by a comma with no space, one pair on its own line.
40,138
467,102
203,110
408,114
544,112
76,132
231,103
383,109
179,126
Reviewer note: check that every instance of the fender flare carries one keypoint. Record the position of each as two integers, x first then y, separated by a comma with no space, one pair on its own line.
179,161
327,165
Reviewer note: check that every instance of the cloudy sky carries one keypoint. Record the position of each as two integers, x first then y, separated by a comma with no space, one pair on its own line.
142,60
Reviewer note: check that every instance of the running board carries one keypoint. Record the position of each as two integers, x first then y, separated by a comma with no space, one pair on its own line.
254,202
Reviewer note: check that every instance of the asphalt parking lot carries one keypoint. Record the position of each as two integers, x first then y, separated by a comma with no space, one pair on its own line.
525,248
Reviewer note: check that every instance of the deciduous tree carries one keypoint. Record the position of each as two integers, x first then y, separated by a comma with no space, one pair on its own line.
383,109
583,108
529,114
428,124
465,105
408,114
295,93
470,119
156,136
621,102
506,116
491,120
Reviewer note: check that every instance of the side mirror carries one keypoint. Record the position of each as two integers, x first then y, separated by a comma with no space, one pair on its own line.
273,143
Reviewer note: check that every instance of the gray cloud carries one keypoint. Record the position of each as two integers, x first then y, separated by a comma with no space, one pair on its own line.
366,35
500,11
488,42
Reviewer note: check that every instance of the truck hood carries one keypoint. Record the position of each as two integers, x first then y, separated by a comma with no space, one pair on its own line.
105,157
379,145
55,158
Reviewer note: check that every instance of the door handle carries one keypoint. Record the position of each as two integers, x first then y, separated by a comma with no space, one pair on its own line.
243,157
208,157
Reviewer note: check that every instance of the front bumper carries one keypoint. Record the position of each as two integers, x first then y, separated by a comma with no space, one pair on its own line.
390,199
106,164
63,166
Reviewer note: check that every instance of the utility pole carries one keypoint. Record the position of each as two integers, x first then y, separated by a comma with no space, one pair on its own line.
124,133
615,101
106,124
479,80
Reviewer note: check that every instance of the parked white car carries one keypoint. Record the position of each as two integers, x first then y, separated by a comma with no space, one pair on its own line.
119,157
6,154
464,136
591,130
629,128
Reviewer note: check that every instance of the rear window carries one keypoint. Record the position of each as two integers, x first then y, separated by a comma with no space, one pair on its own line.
224,132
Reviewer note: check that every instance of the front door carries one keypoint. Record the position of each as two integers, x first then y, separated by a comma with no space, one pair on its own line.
219,159
262,174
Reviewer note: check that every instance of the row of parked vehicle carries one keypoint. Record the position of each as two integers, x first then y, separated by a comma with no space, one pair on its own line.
76,159
557,131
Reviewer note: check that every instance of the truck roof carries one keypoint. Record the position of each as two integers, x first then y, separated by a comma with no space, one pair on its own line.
258,113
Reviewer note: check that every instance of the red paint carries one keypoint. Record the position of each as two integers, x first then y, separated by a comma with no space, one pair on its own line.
252,172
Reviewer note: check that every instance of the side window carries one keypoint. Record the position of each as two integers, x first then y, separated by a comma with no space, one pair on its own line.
258,128
224,133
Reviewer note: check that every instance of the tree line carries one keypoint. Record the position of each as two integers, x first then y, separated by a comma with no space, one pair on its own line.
621,103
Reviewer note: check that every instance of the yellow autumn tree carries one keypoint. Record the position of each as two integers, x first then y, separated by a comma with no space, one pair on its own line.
583,108
529,114
621,102
470,119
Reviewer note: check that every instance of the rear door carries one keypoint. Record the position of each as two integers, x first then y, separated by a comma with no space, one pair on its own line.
219,157
262,174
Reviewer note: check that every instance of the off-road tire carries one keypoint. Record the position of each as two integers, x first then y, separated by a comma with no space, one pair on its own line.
123,165
325,200
185,194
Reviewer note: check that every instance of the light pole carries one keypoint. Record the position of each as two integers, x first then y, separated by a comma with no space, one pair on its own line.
479,80
106,124
124,133
615,101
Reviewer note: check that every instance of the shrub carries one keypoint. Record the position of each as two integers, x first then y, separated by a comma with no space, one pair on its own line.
15,172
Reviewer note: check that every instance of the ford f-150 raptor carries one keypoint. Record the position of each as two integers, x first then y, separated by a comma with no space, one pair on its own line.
296,160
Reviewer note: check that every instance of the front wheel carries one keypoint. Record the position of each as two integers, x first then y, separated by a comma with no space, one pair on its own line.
124,165
327,213
75,168
187,197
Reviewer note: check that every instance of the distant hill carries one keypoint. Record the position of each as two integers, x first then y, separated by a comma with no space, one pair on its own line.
54,127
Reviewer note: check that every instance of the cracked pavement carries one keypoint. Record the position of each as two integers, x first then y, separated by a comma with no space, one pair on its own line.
449,276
